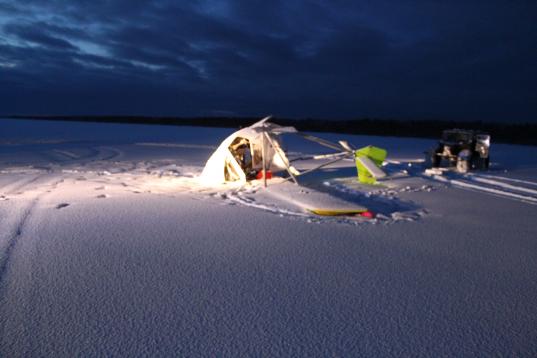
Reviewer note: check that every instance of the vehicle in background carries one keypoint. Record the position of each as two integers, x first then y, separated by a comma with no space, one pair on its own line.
461,149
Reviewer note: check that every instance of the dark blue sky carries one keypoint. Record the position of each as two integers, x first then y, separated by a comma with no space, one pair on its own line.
334,58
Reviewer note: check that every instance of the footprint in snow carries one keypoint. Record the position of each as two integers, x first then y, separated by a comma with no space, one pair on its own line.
100,187
102,196
62,205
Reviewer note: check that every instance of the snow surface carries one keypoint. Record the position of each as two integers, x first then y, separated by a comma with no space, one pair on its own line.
109,246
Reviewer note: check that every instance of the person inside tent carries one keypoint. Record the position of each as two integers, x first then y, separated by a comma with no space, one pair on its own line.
240,148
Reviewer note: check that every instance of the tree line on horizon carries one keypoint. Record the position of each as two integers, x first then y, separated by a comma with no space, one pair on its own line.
515,133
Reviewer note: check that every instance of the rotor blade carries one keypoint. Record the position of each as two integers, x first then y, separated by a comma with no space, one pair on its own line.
320,141
322,156
322,165
346,145
334,155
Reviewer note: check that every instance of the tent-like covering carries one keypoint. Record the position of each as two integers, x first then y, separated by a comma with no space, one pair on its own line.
247,152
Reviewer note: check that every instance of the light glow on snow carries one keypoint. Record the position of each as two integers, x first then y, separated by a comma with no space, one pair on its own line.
109,245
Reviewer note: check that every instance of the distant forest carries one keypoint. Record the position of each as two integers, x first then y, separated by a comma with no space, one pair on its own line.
516,133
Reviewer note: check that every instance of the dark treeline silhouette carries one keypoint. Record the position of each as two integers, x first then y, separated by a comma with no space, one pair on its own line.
517,133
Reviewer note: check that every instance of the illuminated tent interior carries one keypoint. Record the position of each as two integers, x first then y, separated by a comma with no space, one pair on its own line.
249,153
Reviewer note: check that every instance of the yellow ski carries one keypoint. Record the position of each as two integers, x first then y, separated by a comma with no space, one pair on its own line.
336,212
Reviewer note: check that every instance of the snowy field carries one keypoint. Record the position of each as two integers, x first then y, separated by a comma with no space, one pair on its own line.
110,246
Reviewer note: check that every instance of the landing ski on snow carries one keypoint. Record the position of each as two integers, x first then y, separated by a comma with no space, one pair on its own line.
340,212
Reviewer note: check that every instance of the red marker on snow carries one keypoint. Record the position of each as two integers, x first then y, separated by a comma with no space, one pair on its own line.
368,214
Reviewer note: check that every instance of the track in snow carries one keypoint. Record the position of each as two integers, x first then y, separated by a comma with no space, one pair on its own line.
13,240
495,185
21,187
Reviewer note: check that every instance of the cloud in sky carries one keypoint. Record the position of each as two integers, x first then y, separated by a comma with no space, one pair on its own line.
339,58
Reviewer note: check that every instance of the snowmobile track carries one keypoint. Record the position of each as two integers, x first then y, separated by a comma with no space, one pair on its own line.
16,186
14,239
492,185
18,231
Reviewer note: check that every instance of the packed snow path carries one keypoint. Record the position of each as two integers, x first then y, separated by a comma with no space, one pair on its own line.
108,248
